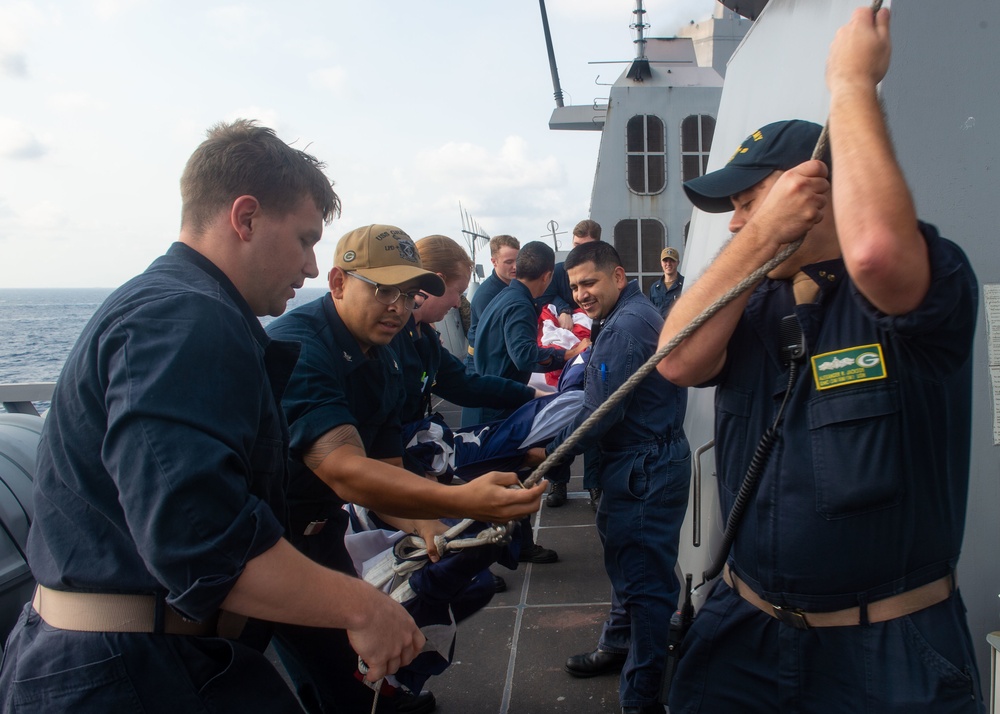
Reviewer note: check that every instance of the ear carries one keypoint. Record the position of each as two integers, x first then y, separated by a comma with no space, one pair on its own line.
336,279
244,211
620,278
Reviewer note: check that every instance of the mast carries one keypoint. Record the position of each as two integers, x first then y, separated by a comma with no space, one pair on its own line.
557,89
640,65
640,29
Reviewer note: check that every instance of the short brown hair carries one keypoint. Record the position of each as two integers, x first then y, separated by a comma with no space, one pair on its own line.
504,241
440,254
588,227
244,159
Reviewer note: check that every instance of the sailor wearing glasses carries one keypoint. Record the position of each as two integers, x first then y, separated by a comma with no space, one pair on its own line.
343,405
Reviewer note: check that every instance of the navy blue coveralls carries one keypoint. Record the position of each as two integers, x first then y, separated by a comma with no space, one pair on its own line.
863,497
483,296
664,298
334,383
507,345
559,294
644,473
160,471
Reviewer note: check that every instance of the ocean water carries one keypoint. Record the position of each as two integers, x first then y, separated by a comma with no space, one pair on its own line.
39,326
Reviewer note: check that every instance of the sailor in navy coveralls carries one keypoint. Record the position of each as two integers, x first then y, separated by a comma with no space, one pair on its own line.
839,594
343,405
644,473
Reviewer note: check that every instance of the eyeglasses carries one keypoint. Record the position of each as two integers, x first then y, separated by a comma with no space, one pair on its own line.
389,294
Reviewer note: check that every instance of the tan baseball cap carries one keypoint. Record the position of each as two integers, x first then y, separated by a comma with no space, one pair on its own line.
670,253
386,255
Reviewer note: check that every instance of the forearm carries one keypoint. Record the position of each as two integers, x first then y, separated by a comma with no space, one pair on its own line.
702,354
457,385
528,356
407,525
478,390
386,489
283,585
338,459
874,212
876,220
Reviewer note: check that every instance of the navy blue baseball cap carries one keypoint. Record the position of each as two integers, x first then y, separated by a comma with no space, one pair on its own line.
778,146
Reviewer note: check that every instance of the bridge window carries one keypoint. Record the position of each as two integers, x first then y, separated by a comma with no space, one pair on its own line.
639,242
645,153
697,132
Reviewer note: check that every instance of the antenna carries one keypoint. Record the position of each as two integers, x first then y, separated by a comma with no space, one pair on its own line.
554,231
474,235
640,26
557,89
640,65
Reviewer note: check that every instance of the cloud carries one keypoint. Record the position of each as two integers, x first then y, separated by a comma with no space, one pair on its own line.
17,22
238,26
13,64
76,101
333,79
17,141
42,219
108,9
476,168
507,189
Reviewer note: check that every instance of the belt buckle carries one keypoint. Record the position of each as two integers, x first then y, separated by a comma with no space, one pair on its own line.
791,616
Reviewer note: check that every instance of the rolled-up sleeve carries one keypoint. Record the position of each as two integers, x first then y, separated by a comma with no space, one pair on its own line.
941,323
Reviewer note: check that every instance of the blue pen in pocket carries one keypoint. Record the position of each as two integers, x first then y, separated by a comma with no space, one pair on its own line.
604,372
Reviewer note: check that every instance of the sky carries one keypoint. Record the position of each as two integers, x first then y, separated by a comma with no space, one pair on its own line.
415,107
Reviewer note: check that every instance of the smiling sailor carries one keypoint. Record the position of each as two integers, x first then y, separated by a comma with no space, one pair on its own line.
839,594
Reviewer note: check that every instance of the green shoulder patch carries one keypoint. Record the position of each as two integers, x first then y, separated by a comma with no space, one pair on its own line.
849,366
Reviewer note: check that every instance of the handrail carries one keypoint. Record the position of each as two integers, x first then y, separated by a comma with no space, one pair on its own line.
18,398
